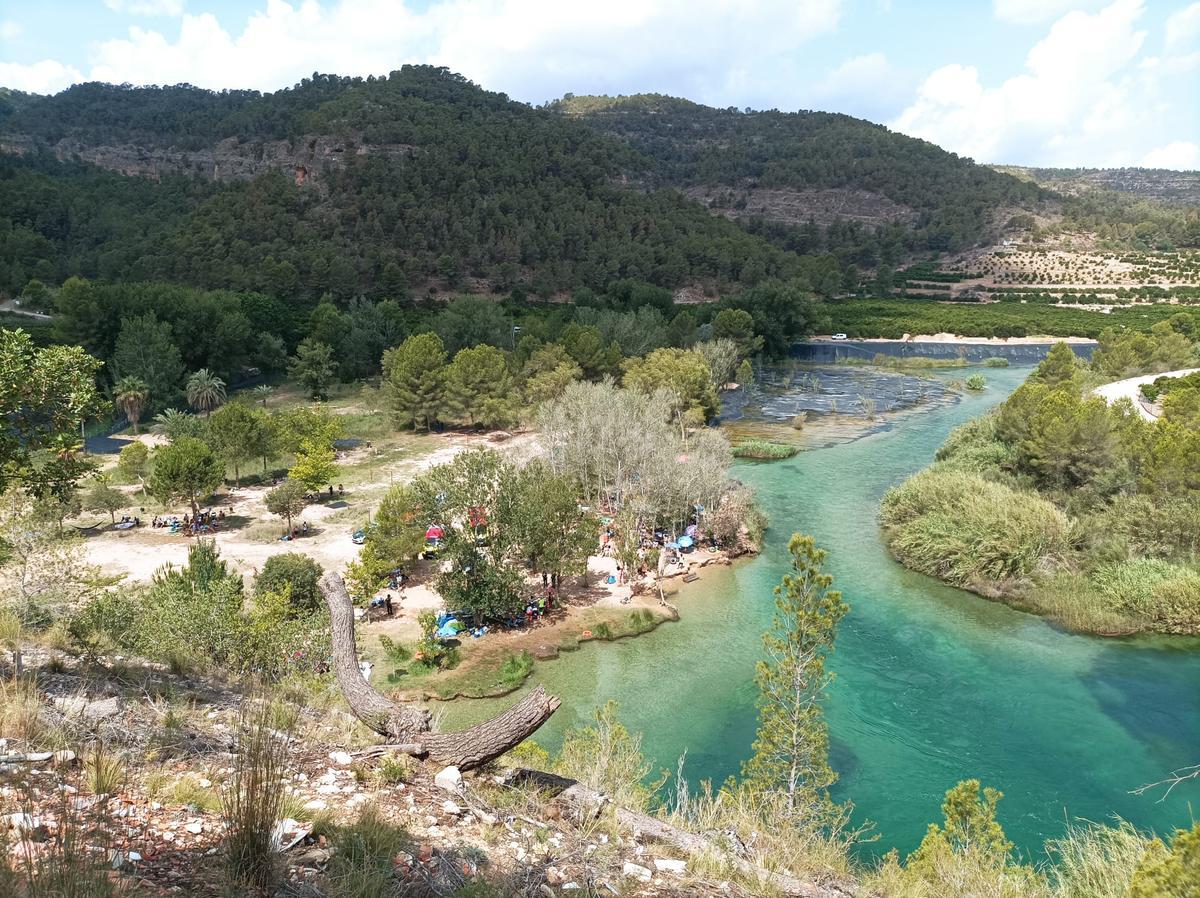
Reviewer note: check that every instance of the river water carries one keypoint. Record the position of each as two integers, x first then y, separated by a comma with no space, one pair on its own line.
933,684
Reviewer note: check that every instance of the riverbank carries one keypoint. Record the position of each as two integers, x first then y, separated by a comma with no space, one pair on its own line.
499,663
1061,505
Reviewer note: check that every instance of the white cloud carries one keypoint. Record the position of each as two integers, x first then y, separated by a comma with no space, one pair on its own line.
47,76
1035,12
172,8
1178,154
717,51
1084,97
867,86
9,30
1183,30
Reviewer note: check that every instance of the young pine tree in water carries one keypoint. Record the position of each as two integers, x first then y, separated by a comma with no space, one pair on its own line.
791,748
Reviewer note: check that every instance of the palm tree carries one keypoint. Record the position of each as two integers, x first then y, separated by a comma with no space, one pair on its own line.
131,395
205,391
263,392
175,424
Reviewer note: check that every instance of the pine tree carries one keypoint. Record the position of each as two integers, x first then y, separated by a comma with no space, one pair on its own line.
414,376
791,747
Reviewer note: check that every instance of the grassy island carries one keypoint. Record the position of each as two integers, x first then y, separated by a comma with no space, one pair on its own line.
1063,504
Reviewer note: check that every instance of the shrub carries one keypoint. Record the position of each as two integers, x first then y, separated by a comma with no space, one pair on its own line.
105,773
763,449
296,571
394,769
1097,861
1174,875
515,669
252,800
975,447
394,651
995,362
1152,589
363,865
976,383
965,529
608,758
1176,604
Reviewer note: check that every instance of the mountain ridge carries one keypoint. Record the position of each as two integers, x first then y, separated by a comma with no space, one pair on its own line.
425,181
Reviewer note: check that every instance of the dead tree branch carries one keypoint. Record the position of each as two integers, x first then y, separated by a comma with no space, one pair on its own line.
409,726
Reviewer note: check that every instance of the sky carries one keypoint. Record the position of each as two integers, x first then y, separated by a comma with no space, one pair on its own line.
1093,83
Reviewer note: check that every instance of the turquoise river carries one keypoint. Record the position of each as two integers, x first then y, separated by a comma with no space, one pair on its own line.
933,684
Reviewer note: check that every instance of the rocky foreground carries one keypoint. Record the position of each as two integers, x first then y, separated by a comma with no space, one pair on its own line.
129,762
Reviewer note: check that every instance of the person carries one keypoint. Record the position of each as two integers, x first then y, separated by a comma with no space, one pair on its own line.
341,490
331,491
304,529
391,611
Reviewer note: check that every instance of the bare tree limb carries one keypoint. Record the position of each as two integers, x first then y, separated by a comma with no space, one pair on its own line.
409,727
1182,775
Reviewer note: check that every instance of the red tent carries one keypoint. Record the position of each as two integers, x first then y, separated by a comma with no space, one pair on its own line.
435,531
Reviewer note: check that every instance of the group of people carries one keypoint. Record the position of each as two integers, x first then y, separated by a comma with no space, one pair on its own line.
539,606
203,522
301,530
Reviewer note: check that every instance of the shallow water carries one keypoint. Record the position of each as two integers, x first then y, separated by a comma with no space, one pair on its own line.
933,684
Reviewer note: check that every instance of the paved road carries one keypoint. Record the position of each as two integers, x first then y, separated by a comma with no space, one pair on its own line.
1130,388
12,307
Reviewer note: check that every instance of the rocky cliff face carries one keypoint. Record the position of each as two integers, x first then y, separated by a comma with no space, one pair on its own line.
797,207
1176,187
305,159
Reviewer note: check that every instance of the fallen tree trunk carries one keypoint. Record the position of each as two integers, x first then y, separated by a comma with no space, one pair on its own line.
588,803
408,726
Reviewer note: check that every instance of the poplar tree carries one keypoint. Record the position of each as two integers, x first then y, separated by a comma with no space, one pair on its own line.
791,747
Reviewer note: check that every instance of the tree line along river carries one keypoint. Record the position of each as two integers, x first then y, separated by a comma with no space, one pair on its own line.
933,684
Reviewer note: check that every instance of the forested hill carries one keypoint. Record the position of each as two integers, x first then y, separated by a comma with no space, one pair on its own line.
386,187
790,167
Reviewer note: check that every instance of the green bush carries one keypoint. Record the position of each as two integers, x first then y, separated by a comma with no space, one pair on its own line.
967,530
293,571
1176,604
976,383
1130,585
996,362
515,669
764,449
394,651
363,865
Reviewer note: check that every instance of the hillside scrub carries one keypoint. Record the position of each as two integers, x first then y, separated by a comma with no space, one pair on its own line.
1065,505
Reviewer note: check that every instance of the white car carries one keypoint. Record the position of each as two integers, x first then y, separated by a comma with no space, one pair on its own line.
839,337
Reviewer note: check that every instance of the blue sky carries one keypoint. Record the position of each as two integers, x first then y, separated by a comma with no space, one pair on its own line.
1036,82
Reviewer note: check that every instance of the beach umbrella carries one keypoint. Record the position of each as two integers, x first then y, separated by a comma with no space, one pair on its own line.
685,542
435,531
691,530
